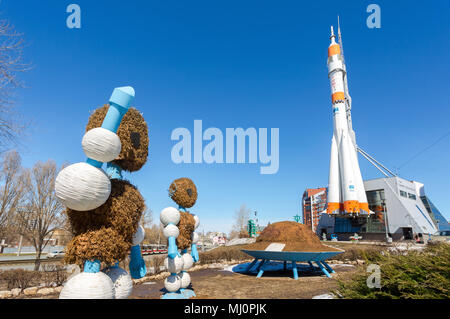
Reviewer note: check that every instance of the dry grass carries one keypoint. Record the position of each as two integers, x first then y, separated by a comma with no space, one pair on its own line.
52,275
223,253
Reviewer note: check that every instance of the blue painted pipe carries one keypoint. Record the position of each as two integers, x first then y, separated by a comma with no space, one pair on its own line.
92,266
172,250
113,171
137,264
194,252
119,103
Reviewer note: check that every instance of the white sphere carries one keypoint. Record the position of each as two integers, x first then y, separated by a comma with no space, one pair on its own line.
172,283
197,221
139,235
82,187
174,265
123,285
101,144
169,215
188,261
185,279
171,231
194,237
87,285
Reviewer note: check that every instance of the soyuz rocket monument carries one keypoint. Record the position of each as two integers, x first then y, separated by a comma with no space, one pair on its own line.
346,194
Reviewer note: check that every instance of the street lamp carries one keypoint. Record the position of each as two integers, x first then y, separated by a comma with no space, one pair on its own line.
388,239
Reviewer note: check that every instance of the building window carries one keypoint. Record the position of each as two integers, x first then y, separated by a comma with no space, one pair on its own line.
403,193
377,203
411,196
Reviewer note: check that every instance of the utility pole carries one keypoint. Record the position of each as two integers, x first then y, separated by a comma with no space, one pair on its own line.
20,245
203,239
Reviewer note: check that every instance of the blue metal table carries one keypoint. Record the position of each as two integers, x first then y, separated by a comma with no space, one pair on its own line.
293,257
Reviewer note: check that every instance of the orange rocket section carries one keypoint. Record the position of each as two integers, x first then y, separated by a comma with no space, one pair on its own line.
338,96
334,49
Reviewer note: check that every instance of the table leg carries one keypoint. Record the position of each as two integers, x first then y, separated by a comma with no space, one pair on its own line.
328,267
251,265
260,268
323,269
294,270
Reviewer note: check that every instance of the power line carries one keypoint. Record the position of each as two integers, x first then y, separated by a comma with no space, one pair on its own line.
425,149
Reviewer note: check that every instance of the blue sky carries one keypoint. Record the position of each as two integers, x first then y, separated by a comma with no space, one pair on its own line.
231,64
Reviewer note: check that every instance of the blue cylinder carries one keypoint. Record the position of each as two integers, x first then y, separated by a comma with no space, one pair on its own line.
119,103
92,266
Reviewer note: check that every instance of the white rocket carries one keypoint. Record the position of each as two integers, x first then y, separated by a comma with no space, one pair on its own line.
346,194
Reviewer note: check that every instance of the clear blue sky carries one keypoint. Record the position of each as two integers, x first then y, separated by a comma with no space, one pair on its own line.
243,64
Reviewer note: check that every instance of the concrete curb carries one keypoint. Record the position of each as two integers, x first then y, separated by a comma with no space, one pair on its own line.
45,291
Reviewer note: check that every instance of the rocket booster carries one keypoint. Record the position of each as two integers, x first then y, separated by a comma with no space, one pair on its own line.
346,194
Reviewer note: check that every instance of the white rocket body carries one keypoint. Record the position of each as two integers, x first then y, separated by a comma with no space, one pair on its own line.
346,194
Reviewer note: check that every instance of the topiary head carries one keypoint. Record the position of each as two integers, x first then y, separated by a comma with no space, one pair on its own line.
183,192
133,134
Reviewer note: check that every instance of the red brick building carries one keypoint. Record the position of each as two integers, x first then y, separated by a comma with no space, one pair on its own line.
314,201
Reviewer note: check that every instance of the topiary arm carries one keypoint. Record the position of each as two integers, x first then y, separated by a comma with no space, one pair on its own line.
137,263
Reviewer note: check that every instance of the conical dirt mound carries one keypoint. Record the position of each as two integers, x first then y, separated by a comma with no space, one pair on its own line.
295,236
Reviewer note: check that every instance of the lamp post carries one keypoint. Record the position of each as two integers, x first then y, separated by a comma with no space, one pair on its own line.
388,239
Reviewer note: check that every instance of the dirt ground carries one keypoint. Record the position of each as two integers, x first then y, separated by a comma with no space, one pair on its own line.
220,284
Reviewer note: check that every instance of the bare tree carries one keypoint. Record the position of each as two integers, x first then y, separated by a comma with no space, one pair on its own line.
241,218
147,217
11,63
14,183
43,213
154,235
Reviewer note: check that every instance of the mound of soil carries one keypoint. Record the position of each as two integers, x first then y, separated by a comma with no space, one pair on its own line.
295,236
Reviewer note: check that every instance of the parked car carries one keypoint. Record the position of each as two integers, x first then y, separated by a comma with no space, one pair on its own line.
55,253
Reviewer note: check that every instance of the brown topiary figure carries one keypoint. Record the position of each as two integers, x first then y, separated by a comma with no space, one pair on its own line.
106,233
184,193
180,237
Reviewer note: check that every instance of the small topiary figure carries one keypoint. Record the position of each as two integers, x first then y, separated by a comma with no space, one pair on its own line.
179,229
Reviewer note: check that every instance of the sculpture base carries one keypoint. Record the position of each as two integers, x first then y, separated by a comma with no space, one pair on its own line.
188,293
180,294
